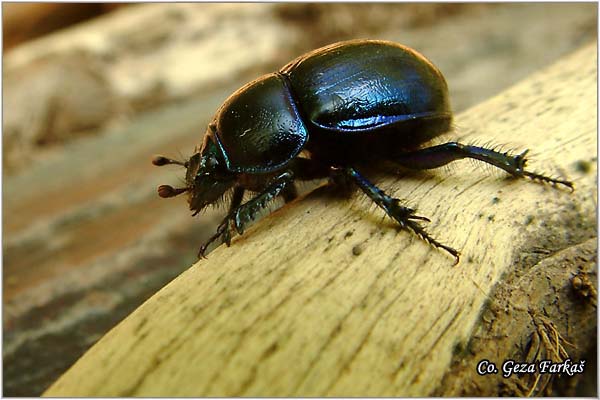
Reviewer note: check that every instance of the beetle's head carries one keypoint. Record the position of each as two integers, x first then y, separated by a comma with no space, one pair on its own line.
207,177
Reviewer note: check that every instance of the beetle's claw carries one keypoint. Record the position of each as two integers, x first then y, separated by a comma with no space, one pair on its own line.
202,251
454,253
402,213
224,231
204,247
412,216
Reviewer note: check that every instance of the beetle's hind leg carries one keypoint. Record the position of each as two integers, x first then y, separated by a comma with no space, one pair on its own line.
240,214
403,215
437,156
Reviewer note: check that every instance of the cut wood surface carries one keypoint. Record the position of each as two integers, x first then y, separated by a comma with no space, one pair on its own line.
85,109
323,298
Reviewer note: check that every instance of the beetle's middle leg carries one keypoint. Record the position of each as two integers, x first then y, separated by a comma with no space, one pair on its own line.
240,215
403,215
437,156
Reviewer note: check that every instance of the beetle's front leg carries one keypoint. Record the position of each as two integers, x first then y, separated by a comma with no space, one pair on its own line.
240,215
403,215
224,226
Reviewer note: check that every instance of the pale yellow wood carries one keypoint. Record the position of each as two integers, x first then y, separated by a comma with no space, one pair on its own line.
291,310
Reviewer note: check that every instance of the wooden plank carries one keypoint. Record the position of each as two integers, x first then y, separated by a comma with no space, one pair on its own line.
323,299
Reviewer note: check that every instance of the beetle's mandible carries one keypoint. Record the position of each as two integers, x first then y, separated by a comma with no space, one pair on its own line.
329,113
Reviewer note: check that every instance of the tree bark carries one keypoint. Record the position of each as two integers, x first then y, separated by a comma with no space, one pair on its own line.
324,298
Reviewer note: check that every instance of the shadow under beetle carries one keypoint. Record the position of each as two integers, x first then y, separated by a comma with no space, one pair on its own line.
329,113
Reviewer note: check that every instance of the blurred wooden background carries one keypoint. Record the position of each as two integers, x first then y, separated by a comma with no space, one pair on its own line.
86,239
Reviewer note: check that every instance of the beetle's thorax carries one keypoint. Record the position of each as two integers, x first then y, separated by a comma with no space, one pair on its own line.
259,128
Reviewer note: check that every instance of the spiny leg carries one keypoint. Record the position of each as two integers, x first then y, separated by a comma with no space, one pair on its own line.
403,215
223,229
247,212
437,156
240,215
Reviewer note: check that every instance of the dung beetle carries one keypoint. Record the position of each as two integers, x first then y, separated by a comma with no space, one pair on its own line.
329,113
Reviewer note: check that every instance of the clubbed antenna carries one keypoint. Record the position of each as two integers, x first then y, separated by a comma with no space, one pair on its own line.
166,191
159,161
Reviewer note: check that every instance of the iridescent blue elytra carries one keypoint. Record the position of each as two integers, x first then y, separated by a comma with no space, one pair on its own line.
361,86
333,112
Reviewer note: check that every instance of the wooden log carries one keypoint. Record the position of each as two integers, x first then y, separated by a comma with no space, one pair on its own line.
25,21
322,298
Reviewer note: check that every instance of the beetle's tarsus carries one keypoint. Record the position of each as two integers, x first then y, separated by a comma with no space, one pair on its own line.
202,250
405,216
224,230
419,231
405,221
546,179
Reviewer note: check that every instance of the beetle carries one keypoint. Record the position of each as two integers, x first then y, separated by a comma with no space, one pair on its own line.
332,112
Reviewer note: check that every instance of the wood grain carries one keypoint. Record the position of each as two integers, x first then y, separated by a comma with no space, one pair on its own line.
322,298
